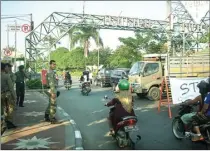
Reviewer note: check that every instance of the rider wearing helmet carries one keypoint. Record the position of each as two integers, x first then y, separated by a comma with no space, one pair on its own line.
123,103
187,118
203,116
68,77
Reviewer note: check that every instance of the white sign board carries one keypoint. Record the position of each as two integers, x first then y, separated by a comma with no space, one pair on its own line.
12,27
184,88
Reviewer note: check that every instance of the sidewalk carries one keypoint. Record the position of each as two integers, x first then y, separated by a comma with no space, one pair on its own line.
33,132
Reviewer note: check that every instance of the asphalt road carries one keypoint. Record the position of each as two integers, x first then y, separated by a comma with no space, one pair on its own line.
90,115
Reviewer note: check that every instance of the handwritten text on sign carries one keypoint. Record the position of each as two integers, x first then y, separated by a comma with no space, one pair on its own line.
184,88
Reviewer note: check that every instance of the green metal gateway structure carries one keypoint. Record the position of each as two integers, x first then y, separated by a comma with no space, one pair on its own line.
58,24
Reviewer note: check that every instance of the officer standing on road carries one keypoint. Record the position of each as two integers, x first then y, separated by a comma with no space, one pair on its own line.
8,96
12,75
51,82
20,85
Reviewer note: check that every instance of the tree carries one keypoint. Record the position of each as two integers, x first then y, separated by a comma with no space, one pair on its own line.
59,55
83,36
205,38
147,41
124,56
51,40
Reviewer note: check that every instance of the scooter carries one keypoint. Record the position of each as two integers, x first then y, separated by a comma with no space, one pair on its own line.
86,89
68,85
125,132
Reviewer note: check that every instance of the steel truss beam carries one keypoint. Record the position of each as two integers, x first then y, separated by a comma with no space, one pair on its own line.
58,24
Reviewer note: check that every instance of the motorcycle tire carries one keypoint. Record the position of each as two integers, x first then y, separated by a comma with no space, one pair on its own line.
208,137
178,128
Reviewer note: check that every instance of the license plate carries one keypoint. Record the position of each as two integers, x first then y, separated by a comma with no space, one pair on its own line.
131,128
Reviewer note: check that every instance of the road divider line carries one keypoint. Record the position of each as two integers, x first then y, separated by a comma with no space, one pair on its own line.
65,114
77,134
72,122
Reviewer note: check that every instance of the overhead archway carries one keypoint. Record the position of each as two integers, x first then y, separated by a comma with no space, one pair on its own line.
57,25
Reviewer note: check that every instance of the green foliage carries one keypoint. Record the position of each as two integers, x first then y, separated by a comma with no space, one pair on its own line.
205,38
82,35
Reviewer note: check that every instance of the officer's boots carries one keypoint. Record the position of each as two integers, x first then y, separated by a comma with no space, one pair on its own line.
46,117
53,120
10,125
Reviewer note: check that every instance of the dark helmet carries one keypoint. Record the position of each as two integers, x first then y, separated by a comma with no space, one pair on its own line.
21,67
204,86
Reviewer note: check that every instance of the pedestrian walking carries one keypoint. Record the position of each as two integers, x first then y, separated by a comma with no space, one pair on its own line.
20,85
8,97
52,93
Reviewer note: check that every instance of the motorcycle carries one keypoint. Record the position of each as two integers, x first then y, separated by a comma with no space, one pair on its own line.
68,85
125,131
181,131
86,89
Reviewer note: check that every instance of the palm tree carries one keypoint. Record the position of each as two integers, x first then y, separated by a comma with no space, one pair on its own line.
83,36
49,39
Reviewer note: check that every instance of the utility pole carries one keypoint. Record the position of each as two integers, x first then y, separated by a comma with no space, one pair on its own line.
15,45
170,28
83,9
98,59
7,36
32,28
183,43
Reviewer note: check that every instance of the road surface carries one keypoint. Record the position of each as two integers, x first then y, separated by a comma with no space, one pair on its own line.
90,115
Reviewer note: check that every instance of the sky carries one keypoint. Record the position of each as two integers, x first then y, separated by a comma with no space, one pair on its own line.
42,9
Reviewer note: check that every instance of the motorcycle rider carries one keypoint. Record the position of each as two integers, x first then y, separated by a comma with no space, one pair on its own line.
203,116
187,118
123,103
68,77
123,76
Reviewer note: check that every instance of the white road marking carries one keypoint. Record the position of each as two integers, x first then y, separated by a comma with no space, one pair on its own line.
78,134
72,122
65,114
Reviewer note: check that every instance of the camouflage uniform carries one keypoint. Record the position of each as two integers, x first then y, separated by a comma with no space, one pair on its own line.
51,82
13,77
7,97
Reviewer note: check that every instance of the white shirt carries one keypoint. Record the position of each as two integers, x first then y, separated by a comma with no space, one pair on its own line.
90,76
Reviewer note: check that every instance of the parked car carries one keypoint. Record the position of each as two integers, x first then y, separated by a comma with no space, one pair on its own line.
117,75
103,77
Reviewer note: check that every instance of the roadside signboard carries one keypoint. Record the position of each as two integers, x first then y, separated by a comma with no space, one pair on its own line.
12,27
184,88
26,28
7,52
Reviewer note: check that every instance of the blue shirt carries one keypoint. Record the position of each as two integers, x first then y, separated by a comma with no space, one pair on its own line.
207,101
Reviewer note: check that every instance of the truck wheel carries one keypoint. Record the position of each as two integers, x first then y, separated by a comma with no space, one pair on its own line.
154,94
141,95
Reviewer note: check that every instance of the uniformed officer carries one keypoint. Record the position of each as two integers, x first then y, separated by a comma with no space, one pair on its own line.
12,75
51,82
20,85
8,96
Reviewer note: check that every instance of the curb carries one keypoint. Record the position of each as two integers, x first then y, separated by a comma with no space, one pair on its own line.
77,133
